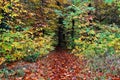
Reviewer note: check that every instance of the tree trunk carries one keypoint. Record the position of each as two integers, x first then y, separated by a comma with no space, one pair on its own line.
72,33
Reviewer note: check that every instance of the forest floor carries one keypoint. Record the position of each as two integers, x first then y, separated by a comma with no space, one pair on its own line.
57,65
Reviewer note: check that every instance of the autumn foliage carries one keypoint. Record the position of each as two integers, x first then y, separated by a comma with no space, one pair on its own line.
65,39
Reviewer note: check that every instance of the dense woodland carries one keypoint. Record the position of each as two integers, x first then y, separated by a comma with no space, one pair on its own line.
71,30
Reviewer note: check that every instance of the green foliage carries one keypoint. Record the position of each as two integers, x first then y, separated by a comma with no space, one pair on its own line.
90,38
20,73
92,42
76,12
15,46
108,1
21,41
32,57
34,24
5,73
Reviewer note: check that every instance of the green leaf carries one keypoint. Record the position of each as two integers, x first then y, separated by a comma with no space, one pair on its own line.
91,8
7,46
58,12
108,1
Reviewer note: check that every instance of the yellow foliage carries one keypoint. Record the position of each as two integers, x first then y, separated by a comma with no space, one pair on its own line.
80,55
17,45
2,60
116,44
15,0
18,56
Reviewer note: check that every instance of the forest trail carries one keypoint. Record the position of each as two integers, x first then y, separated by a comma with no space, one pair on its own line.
58,65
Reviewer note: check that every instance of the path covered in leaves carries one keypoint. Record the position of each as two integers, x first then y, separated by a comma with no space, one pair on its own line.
58,65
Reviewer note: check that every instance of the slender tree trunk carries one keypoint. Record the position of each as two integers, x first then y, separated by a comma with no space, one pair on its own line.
72,33
60,33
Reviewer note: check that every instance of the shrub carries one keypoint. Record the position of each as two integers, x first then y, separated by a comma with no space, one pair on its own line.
32,57
17,45
98,42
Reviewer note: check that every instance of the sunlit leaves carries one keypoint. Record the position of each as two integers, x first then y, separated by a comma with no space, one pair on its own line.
17,45
15,0
2,60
